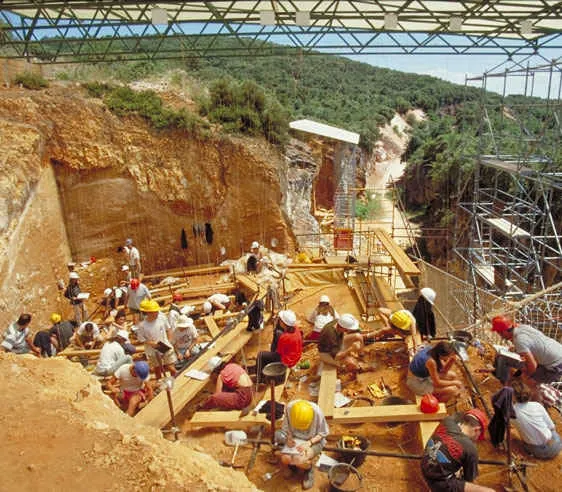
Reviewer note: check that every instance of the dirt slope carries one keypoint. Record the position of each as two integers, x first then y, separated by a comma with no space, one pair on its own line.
60,432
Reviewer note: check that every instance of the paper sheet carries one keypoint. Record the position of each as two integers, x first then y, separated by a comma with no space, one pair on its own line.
83,296
288,450
340,400
195,374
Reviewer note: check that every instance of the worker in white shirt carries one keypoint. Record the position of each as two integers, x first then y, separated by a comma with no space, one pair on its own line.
112,355
133,258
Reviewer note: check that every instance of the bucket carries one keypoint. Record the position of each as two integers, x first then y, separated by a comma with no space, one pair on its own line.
353,457
274,371
344,478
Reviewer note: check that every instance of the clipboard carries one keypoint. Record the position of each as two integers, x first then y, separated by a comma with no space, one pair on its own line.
163,348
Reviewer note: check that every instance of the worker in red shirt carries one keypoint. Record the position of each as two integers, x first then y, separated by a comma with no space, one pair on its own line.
289,346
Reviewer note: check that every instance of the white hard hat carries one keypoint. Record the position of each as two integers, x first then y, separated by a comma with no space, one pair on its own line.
348,322
128,242
124,334
187,309
124,268
207,307
325,299
107,292
184,322
428,294
288,317
73,275
255,244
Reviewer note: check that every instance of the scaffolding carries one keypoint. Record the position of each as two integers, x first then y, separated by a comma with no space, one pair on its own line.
510,240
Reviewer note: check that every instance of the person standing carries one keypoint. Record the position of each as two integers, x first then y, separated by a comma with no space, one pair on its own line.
423,313
17,337
542,355
137,292
133,258
72,293
154,330
452,448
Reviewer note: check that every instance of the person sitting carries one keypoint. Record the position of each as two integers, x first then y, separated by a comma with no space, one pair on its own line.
233,389
430,372
129,384
88,336
450,448
320,317
154,330
303,432
113,355
17,337
340,342
423,313
288,349
536,429
398,324
183,339
285,319
542,355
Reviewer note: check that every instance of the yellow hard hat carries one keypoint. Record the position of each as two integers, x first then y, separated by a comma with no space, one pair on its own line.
401,320
301,415
55,318
149,306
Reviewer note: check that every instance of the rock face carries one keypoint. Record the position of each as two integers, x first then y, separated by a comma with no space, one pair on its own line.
119,178
68,435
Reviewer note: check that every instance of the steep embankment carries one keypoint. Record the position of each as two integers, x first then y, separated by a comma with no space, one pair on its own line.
60,432
119,178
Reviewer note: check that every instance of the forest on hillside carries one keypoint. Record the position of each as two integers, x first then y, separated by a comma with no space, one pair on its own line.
261,94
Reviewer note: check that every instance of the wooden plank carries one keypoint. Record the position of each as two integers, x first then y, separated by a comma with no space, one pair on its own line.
68,352
248,283
385,294
327,390
402,261
385,413
212,326
186,272
356,289
199,291
157,414
226,419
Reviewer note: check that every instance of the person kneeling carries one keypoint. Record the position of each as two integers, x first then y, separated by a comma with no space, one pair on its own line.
340,342
233,390
129,383
303,434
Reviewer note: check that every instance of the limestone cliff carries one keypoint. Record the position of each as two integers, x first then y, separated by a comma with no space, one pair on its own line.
119,178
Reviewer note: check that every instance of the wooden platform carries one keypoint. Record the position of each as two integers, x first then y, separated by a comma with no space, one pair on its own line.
187,272
384,413
327,390
385,294
206,291
157,414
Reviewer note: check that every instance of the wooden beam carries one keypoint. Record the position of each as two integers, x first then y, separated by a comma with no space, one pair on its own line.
385,294
212,326
356,291
399,257
157,414
89,352
327,390
186,272
385,413
248,283
200,291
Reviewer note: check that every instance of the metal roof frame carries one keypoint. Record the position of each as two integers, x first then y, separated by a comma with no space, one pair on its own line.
108,30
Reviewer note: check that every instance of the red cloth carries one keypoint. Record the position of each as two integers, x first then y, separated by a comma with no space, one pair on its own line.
230,400
313,335
289,347
231,374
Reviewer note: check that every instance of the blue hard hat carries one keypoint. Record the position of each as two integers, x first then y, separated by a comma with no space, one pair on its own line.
142,369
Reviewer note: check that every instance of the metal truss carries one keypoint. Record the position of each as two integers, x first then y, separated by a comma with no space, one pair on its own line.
512,245
109,30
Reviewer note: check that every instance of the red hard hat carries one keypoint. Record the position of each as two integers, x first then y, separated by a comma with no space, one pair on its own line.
501,323
135,283
177,297
429,404
482,418
92,259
